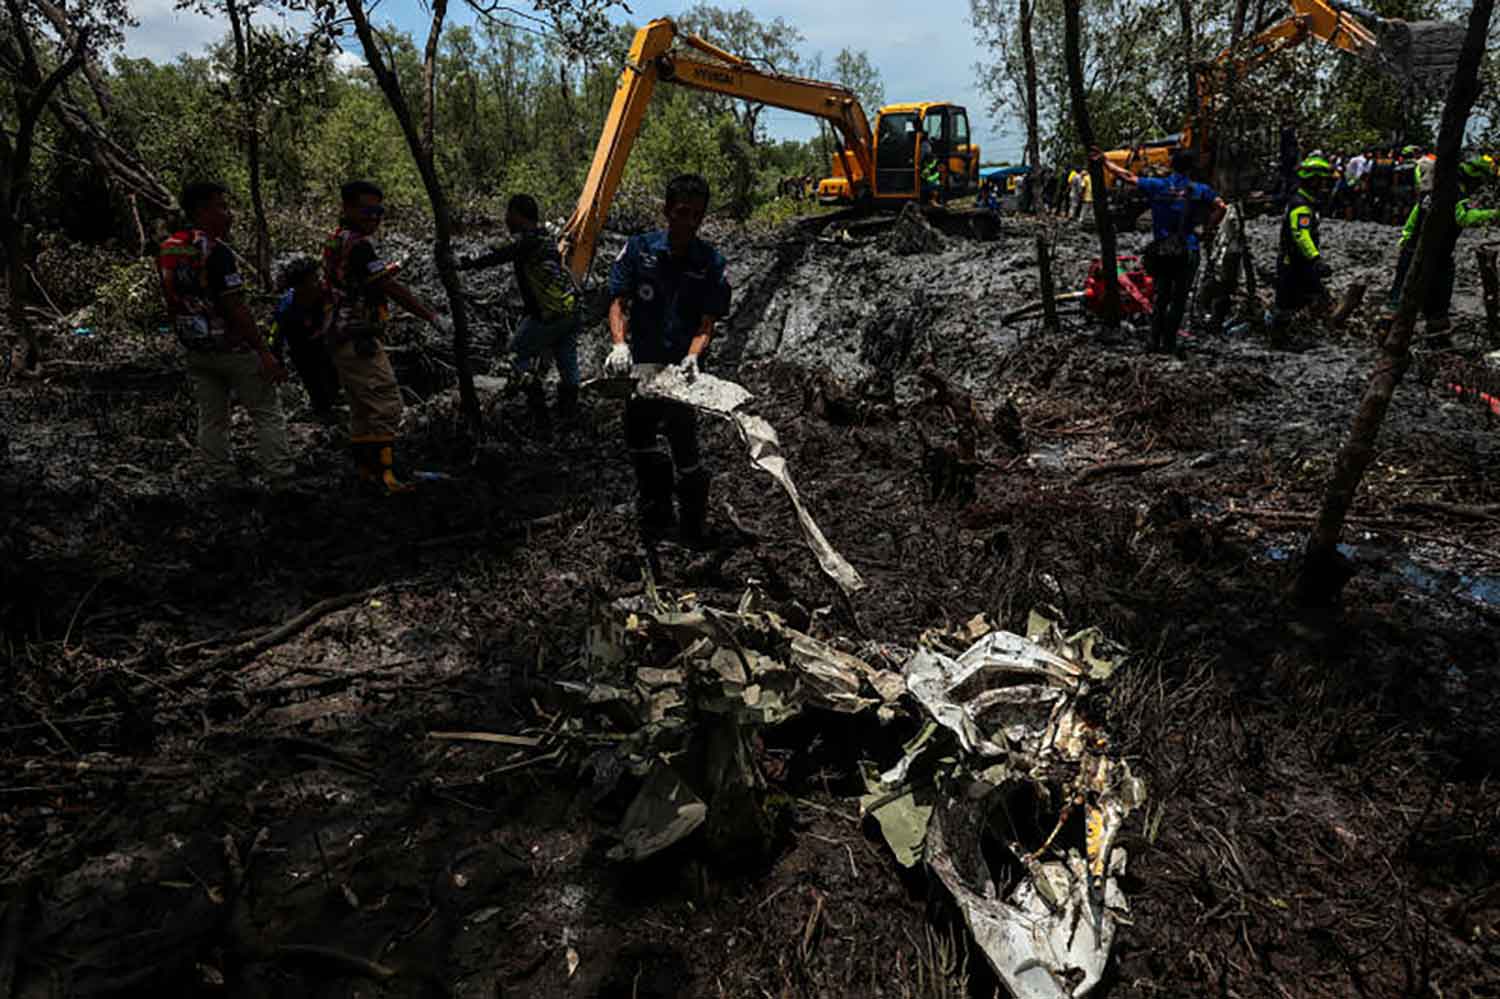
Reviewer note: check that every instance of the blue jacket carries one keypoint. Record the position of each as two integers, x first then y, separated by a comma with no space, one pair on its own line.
668,297
293,322
1170,197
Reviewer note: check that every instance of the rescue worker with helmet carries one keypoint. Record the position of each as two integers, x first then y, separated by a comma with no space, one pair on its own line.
550,303
667,290
1301,271
1473,174
226,353
362,283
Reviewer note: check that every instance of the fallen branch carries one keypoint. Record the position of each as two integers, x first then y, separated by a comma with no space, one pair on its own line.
341,961
1040,305
1299,517
246,652
1463,510
1134,466
494,737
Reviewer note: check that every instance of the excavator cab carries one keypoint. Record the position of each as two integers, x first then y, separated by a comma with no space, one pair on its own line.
899,132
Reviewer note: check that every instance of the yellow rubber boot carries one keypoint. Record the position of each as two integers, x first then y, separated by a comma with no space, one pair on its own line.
388,472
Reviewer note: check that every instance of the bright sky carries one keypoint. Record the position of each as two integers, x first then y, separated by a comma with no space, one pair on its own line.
920,55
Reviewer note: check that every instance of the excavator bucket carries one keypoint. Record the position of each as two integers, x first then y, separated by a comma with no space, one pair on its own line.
1422,55
1423,52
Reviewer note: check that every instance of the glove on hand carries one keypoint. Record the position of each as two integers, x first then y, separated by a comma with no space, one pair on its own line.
689,367
618,363
1324,271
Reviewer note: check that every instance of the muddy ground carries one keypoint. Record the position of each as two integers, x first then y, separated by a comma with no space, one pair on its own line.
195,803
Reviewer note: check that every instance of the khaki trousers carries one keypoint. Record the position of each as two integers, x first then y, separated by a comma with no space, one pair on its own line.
374,396
217,374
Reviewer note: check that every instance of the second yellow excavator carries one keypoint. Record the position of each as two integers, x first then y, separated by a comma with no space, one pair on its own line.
1421,53
883,167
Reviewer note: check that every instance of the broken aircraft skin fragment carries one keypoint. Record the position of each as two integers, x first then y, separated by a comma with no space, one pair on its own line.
669,669
1007,733
725,399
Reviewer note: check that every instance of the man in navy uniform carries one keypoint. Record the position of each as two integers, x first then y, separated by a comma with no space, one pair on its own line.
667,290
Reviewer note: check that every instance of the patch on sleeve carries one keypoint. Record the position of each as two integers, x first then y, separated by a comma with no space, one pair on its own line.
376,266
1304,222
232,280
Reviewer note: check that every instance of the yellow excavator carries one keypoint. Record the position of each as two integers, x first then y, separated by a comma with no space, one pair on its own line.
870,169
1421,52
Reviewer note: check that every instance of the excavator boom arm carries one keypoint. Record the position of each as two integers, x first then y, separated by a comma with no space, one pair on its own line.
651,61
1309,19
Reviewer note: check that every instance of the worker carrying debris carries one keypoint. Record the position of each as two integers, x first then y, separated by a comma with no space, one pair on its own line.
226,353
550,303
1473,174
1301,271
667,289
361,283
1178,204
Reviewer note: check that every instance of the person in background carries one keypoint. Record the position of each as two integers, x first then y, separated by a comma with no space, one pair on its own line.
1354,181
1382,187
931,172
1404,182
1075,193
667,290
297,329
1301,271
361,283
226,354
1474,173
1178,206
549,301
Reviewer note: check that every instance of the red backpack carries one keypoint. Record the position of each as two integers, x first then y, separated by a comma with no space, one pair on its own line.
182,263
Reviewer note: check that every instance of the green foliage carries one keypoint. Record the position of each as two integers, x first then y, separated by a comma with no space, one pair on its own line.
514,111
128,299
855,71
677,138
358,138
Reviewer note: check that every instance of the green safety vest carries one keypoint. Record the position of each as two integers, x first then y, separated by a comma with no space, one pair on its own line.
930,173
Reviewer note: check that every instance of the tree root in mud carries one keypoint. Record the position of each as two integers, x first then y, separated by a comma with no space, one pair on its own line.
1134,466
246,652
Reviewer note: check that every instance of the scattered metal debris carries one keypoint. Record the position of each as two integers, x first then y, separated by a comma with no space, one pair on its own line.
1010,741
666,665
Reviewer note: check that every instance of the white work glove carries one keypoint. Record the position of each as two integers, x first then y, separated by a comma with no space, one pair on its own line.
689,367
618,363
444,325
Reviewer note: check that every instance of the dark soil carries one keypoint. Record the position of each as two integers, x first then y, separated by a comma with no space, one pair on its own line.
1323,813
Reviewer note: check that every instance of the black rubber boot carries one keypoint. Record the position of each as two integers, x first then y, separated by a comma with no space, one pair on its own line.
536,399
567,400
692,503
653,479
1439,331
